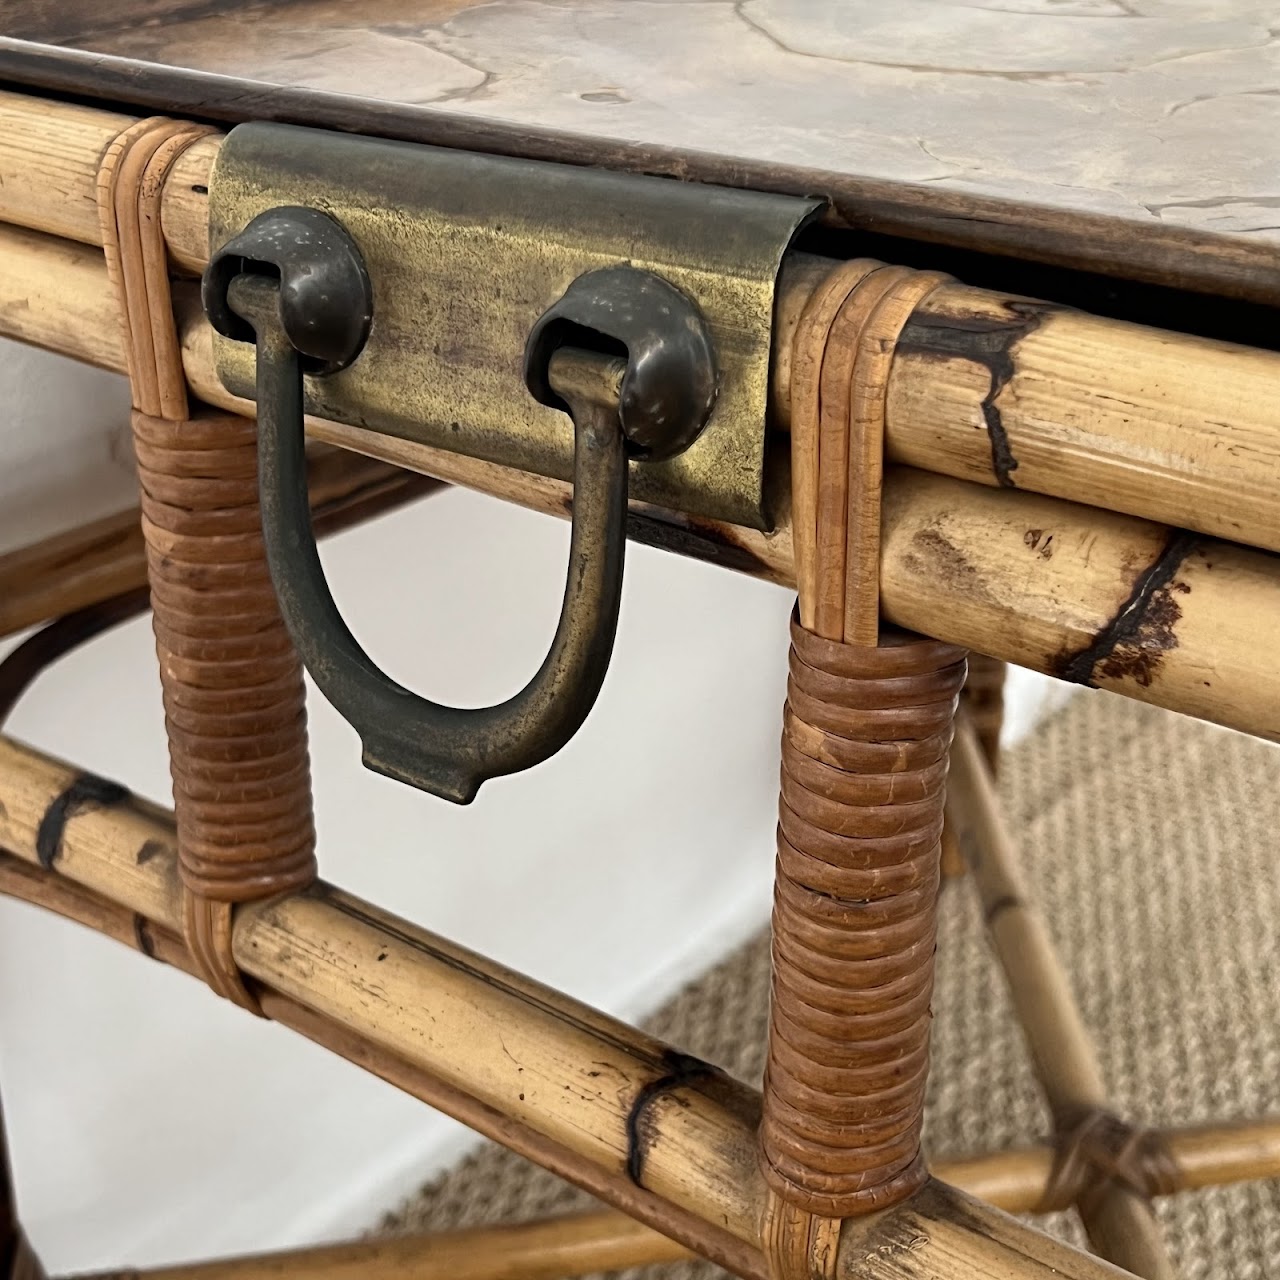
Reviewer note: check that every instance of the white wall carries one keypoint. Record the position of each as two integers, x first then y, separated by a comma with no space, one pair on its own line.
65,456
150,1121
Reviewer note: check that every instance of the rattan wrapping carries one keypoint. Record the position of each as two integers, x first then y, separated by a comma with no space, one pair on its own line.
864,763
233,688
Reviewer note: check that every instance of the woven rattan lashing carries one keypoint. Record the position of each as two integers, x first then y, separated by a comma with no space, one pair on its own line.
232,683
1095,1150
867,731
233,688
863,773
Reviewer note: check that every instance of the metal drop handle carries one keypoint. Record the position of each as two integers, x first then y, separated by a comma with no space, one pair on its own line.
294,282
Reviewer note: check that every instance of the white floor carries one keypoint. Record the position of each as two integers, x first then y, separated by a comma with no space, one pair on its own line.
151,1122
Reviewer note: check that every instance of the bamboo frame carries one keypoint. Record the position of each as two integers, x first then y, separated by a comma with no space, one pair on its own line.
606,1240
71,570
551,1249
1114,415
75,902
1120,1223
608,1097
1015,1180
1060,583
1063,408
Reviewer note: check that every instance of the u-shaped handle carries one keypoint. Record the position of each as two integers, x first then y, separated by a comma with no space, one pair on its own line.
652,406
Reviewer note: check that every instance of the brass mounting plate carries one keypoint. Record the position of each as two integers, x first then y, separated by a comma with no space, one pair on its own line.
466,251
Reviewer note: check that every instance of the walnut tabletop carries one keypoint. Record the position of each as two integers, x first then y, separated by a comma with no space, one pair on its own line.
1135,137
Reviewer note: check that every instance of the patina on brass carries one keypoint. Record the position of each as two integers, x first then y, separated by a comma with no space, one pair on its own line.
294,282
465,252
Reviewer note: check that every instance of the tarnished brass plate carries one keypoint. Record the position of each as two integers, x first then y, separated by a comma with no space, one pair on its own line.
466,251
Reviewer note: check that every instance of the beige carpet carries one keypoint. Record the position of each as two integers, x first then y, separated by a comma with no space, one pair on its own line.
1151,841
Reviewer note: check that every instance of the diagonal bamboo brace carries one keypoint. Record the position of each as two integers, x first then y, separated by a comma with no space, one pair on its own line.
1115,1207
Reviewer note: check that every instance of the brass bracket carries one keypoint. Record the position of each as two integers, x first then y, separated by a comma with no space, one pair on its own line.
466,252
293,283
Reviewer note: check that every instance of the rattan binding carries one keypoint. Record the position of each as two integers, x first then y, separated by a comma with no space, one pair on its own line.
1095,1149
867,731
233,687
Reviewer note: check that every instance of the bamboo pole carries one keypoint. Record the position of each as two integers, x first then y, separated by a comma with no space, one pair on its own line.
986,387
71,570
1089,596
604,1239
1071,591
1084,594
1120,1222
551,1249
1017,393
607,1096
184,209
1118,603
1016,1180
49,156
1007,391
55,294
75,902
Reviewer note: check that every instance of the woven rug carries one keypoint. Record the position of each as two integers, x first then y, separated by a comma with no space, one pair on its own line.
1150,841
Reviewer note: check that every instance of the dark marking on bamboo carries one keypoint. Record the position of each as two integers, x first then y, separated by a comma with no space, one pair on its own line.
142,935
1002,904
991,342
1144,629
87,792
684,1069
933,553
149,850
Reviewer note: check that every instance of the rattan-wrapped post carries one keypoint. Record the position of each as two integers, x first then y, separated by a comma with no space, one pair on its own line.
867,731
233,687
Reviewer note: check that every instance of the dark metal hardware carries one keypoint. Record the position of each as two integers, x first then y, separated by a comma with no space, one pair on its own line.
466,252
650,400
324,299
670,385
